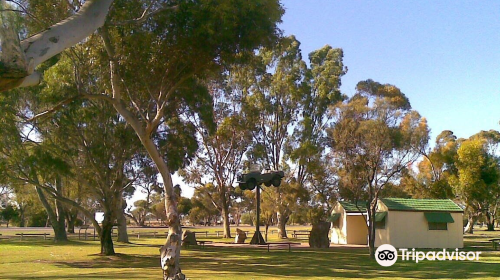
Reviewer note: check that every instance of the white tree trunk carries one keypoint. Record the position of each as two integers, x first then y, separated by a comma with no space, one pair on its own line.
57,38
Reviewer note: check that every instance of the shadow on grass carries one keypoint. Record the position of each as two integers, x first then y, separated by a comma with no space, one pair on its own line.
45,243
116,261
114,275
354,263
251,262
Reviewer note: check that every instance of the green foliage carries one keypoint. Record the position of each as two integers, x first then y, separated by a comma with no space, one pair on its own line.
38,219
375,136
9,213
185,206
248,218
477,181
203,209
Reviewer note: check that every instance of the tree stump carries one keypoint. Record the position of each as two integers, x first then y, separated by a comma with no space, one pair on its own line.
319,235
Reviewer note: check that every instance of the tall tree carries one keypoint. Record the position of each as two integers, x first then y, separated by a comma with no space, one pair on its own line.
309,142
221,151
375,136
157,53
201,37
477,181
25,159
277,85
436,168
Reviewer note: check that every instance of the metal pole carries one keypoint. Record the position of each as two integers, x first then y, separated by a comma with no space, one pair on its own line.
257,226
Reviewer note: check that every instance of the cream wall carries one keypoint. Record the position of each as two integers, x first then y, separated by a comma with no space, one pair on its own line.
357,230
406,229
338,235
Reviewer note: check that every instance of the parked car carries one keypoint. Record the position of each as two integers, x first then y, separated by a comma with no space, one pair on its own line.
248,181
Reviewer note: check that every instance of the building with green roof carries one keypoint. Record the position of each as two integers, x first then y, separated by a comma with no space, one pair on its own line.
403,223
349,223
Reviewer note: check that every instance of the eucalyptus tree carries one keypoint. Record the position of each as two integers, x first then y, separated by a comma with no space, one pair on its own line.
308,147
375,136
221,151
105,157
436,168
203,211
26,161
155,54
477,180
190,43
274,93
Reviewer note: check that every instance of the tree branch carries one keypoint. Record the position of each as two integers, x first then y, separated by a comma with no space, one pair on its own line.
146,14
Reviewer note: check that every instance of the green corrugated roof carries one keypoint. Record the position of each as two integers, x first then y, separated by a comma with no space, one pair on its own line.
351,207
430,205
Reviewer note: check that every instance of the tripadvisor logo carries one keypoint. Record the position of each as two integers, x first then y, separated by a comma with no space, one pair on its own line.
387,255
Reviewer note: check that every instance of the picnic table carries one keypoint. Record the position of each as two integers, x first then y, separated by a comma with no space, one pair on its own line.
297,233
146,233
201,232
84,227
495,242
33,235
281,244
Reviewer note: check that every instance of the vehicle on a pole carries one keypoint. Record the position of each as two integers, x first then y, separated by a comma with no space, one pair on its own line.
249,180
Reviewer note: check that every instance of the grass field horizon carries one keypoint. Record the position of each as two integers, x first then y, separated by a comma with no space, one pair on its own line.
36,258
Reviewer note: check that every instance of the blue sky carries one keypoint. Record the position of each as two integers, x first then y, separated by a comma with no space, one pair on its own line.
444,55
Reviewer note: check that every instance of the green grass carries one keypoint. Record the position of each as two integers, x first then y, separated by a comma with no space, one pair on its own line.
39,259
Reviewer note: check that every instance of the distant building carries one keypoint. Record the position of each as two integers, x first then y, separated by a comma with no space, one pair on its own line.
403,223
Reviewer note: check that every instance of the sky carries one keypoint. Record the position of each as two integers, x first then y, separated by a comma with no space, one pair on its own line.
443,54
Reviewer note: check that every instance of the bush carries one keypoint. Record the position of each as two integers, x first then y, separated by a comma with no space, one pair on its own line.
247,219
38,219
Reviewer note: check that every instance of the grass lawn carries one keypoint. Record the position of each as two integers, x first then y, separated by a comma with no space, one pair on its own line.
39,259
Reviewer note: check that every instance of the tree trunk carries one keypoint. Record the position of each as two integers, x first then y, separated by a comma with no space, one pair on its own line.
59,231
371,234
71,217
46,44
225,216
267,230
122,223
61,214
319,235
22,218
13,66
283,219
170,252
106,237
471,220
490,222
